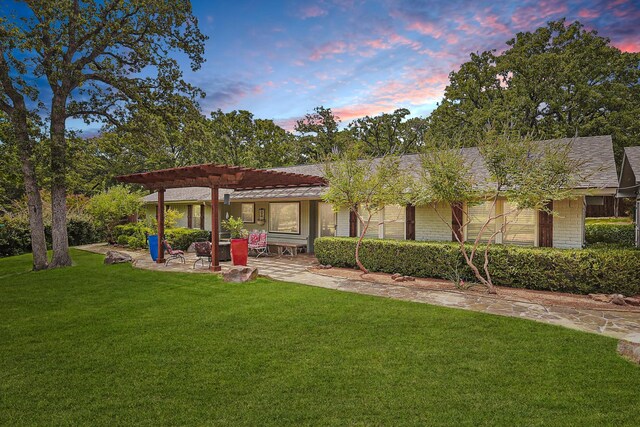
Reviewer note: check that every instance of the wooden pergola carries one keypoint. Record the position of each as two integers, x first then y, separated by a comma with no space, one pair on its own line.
215,177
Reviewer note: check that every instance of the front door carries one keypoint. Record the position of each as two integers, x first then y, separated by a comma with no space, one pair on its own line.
328,223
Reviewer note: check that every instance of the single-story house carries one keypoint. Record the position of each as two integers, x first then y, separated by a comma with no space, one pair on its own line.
629,185
298,215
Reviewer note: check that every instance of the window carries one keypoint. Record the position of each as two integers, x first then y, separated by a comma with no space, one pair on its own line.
373,231
389,223
248,212
520,228
394,222
477,217
284,217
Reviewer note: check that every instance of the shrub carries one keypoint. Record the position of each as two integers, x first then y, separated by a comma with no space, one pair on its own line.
136,242
182,238
580,271
15,239
15,236
623,234
134,229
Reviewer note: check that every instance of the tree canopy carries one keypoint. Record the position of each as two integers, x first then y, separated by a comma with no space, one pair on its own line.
560,80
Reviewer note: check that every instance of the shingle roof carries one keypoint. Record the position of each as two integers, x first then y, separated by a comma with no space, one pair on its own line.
598,171
633,156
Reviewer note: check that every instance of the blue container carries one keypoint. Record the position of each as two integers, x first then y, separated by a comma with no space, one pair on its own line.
153,246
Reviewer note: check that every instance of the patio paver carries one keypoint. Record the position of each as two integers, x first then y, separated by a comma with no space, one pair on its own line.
617,324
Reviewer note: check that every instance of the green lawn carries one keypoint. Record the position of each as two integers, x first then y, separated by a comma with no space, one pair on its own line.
620,220
109,345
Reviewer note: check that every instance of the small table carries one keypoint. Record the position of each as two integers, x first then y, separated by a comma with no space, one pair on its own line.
289,248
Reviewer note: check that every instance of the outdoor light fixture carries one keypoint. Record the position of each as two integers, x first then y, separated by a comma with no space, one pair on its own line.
227,199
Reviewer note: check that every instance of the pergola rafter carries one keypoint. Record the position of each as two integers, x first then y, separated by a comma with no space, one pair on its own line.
214,176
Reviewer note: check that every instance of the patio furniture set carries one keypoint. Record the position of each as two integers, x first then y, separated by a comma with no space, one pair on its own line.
257,242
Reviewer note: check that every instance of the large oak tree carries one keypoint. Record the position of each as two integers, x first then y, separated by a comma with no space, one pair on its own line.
97,57
557,81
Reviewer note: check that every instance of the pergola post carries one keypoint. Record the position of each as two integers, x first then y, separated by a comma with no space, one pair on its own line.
160,259
215,235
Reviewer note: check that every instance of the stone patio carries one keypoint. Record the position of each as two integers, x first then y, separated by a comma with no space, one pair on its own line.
613,323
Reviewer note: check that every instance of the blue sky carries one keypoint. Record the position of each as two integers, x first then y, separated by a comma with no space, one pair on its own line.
281,59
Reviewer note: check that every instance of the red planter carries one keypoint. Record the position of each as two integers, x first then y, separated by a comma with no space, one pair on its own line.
239,251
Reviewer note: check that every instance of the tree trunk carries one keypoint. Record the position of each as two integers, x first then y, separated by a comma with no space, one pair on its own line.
34,201
364,231
60,240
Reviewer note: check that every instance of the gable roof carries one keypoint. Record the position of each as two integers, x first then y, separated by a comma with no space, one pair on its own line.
629,173
595,153
632,154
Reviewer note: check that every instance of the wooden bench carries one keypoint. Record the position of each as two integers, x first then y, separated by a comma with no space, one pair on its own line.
292,249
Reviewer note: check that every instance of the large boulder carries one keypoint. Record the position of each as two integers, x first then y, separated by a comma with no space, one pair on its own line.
239,275
115,257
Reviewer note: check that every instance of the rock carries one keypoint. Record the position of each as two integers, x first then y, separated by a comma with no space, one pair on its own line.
629,347
399,279
115,257
324,267
617,299
634,301
600,297
409,278
240,275
394,276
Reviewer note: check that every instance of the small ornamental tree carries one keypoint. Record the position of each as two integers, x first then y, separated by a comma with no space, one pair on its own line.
112,207
525,173
364,186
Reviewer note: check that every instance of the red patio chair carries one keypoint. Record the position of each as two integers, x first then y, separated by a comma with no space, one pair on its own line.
173,253
258,243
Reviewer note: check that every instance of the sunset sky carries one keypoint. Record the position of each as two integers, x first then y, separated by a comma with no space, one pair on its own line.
281,59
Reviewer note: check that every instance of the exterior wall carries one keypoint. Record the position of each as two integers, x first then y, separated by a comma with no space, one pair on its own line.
343,223
302,238
429,226
568,225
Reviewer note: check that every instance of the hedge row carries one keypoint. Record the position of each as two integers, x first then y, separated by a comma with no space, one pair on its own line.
15,238
577,271
622,234
135,235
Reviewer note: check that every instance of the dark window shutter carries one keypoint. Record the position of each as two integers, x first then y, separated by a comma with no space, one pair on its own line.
353,224
410,223
190,216
201,217
545,228
456,221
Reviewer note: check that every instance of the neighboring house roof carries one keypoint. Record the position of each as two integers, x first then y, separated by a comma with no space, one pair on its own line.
633,156
595,154
630,173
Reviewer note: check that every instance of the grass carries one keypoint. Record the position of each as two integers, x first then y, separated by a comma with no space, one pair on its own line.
109,345
612,220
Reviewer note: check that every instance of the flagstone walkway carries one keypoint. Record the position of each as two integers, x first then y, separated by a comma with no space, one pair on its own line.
613,323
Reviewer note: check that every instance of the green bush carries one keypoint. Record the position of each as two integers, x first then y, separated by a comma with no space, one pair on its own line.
15,239
134,229
579,271
135,242
182,238
15,236
622,234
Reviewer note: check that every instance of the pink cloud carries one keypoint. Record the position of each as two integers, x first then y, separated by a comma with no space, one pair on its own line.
312,11
426,28
628,46
351,112
328,49
588,14
534,15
